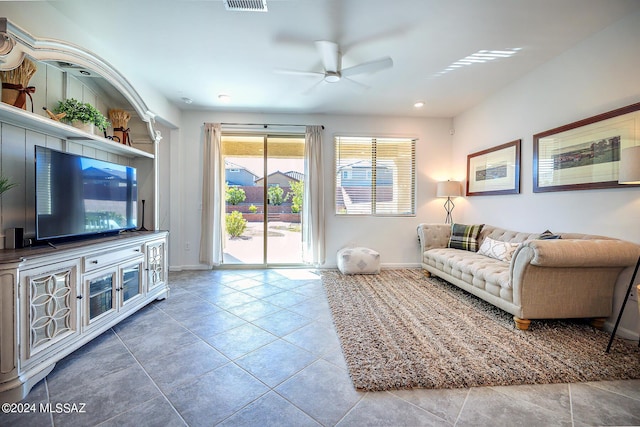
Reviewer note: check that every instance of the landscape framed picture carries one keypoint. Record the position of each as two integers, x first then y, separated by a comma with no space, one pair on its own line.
585,154
495,170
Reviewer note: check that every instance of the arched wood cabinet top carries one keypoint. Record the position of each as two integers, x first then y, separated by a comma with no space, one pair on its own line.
16,43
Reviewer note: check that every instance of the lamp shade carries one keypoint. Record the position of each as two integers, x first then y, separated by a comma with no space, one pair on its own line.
629,172
448,189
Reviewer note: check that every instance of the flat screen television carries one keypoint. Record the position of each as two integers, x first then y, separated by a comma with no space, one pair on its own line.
79,196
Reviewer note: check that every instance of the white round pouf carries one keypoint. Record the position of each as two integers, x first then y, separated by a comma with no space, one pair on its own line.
358,260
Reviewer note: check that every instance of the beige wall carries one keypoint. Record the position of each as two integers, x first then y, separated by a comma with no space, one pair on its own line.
596,76
395,238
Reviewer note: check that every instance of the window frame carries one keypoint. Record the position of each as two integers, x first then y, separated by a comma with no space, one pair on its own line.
374,160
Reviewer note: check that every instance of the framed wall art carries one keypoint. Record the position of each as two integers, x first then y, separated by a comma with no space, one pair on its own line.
585,154
494,171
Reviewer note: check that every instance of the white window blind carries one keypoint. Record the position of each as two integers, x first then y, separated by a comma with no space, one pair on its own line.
375,176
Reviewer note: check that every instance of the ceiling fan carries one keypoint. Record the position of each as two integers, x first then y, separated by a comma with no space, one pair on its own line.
332,62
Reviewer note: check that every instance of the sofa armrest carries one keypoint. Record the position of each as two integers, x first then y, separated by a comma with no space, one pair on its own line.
579,253
433,236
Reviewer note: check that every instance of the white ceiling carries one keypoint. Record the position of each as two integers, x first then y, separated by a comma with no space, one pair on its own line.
198,50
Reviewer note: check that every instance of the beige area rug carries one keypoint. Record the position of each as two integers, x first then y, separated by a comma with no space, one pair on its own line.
401,330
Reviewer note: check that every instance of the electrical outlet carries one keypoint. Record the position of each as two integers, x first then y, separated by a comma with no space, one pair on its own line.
187,246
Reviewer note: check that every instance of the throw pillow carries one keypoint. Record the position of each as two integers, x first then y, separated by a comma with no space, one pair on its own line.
548,235
497,249
465,237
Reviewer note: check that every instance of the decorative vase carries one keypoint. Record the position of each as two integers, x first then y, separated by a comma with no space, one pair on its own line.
87,127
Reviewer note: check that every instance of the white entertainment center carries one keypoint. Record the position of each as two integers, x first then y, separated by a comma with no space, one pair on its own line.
55,298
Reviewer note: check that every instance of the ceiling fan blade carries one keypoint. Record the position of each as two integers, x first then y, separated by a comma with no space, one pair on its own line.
299,73
330,55
356,85
368,67
313,88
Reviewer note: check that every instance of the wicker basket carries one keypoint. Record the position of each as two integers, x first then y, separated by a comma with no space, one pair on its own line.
15,84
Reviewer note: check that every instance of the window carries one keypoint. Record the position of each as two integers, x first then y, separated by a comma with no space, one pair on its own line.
375,176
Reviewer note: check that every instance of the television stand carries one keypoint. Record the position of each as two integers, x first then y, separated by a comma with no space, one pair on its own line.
53,300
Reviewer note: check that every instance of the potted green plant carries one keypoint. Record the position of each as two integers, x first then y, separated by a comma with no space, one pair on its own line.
76,111
6,185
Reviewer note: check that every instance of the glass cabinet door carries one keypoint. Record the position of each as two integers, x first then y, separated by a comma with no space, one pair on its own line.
101,290
131,282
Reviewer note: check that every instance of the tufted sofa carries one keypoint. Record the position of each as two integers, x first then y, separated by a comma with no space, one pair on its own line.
572,276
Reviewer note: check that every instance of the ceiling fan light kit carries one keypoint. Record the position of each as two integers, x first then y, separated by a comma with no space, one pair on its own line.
331,77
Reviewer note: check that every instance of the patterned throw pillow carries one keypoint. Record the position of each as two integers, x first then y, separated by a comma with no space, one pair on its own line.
496,249
465,237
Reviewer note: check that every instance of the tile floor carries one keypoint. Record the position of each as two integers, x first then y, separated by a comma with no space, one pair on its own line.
258,348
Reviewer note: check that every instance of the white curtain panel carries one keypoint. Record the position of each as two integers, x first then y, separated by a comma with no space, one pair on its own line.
213,203
313,246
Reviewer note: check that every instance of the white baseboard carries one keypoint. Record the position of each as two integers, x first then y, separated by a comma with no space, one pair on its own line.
383,266
188,267
391,266
621,332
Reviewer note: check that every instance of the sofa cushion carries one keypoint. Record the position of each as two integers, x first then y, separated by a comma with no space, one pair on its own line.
548,235
464,237
470,267
497,249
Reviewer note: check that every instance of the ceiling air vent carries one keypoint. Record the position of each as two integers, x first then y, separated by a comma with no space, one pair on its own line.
246,5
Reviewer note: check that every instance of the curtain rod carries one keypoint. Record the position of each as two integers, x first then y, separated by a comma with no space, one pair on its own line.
265,125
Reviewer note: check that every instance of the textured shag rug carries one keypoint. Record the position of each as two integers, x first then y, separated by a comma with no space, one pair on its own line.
399,329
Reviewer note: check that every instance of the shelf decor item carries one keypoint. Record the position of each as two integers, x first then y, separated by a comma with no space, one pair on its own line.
6,185
15,84
80,115
119,120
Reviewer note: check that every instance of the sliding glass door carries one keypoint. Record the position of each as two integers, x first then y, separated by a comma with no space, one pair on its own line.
264,180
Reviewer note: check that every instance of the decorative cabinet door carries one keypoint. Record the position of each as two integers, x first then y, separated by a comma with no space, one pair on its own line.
99,295
50,305
156,271
131,288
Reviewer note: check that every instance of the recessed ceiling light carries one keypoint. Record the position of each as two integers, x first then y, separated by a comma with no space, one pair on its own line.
187,100
419,104
224,98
